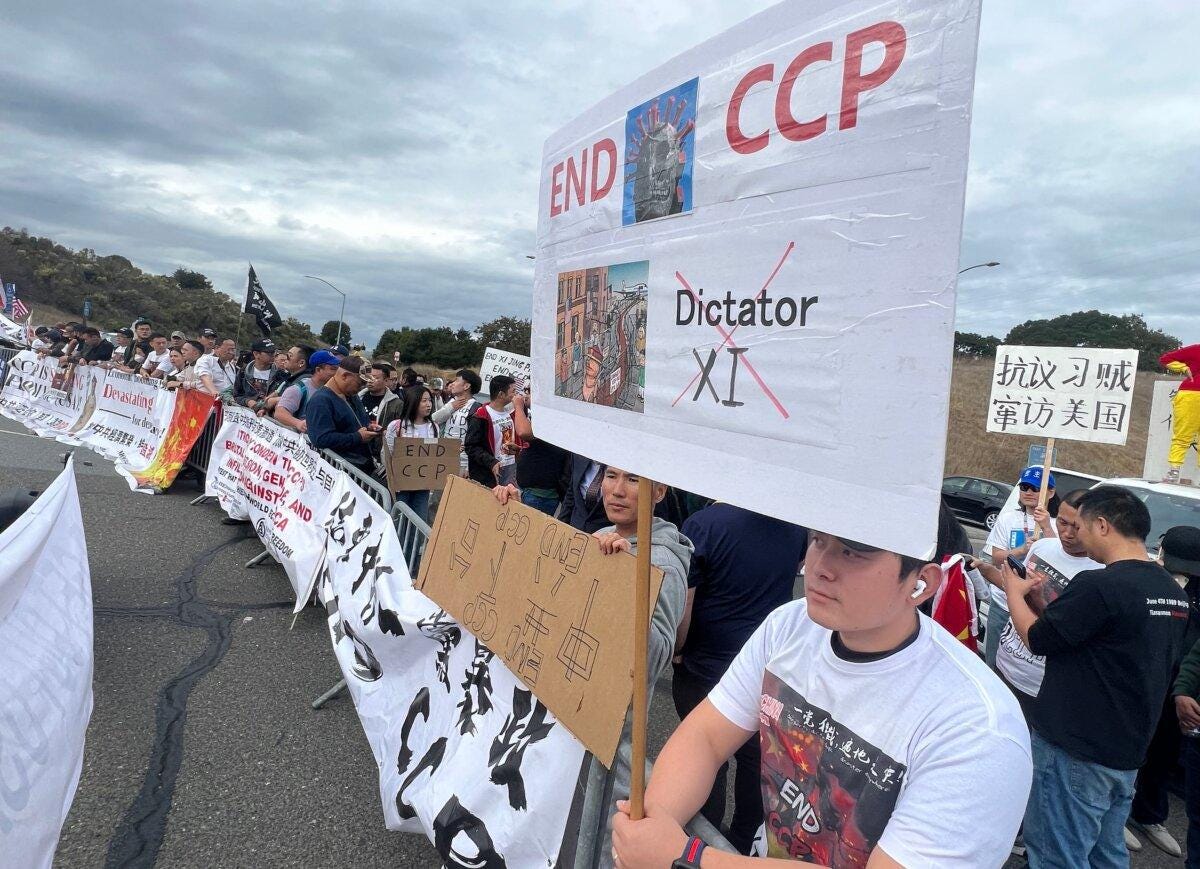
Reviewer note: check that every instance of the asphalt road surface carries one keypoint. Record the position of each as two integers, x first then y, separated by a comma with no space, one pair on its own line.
202,749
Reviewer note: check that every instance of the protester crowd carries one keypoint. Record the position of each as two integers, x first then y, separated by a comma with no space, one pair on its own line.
863,729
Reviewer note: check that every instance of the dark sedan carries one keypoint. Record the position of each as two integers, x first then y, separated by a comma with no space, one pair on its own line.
974,499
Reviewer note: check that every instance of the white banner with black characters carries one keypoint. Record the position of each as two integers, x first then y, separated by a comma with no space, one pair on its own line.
45,671
50,400
467,755
746,266
1068,393
263,472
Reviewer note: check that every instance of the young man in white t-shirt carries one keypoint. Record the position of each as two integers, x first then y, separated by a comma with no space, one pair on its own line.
453,415
1013,534
885,742
158,360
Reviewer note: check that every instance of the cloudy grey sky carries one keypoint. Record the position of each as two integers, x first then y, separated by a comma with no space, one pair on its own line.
393,148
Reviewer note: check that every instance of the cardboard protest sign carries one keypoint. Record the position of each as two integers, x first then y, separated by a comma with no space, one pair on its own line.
513,365
1068,393
541,596
417,464
746,266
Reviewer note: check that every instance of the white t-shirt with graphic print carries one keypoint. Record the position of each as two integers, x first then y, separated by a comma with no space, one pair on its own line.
924,753
1022,668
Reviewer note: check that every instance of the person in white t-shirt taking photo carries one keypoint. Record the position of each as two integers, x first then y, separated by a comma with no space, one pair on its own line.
885,741
1014,532
216,372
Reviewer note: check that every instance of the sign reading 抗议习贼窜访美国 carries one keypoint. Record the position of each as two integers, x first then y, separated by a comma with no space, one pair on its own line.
1067,393
746,266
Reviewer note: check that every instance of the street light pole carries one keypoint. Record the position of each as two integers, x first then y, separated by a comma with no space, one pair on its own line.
342,316
978,266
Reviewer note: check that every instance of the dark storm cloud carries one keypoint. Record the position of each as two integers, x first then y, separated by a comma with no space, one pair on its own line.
394,148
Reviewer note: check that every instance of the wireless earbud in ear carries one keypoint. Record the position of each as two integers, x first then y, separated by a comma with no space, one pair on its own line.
919,590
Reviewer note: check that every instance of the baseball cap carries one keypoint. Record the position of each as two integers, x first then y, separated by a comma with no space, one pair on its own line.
1032,476
208,333
341,350
1180,550
178,334
262,346
322,357
126,331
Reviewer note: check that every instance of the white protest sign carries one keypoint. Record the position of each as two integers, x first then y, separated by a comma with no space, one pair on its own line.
746,266
1158,438
513,365
1067,393
45,671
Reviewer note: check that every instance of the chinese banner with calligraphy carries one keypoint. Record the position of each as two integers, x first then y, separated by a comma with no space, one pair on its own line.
1068,393
747,260
461,744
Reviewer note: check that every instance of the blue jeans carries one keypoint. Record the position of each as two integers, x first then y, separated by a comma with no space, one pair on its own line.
997,618
1076,812
539,502
418,502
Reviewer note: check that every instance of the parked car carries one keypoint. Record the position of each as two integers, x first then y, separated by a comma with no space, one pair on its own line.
975,499
1170,504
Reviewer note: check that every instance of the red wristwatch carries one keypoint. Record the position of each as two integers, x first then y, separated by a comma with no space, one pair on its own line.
690,858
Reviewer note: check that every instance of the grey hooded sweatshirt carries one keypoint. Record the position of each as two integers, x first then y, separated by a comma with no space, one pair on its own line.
672,552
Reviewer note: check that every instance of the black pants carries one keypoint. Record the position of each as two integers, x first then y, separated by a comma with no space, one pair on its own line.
1151,803
1191,787
688,690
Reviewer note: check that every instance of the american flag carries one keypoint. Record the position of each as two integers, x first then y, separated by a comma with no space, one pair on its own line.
19,309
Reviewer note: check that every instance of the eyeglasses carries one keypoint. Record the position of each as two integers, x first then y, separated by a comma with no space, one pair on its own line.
1026,487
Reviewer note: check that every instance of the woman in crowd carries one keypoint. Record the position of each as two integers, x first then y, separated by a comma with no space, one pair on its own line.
414,422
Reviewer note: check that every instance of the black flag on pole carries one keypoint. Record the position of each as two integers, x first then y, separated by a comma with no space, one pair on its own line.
257,303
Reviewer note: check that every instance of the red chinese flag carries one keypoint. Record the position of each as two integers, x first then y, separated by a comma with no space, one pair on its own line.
953,606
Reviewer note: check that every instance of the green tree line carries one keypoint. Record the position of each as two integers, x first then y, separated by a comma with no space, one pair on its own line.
1094,329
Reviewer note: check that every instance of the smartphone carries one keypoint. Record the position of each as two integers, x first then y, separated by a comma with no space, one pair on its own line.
1016,565
970,562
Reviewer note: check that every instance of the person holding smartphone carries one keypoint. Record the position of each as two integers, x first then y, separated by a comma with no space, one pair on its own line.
1013,534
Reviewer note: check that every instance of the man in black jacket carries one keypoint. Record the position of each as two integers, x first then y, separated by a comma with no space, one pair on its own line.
94,348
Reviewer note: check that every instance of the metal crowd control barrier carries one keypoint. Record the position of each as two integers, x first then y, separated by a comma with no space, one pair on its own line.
197,459
413,532
368,484
591,846
7,353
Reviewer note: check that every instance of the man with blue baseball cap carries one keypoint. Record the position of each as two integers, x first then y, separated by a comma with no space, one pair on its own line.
1014,532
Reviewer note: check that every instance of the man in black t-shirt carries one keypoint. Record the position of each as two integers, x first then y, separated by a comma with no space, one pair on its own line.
1111,641
744,566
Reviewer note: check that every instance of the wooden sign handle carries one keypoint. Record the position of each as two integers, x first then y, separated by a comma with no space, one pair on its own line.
641,639
1044,492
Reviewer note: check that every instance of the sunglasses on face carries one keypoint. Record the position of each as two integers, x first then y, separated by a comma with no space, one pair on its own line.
1026,487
